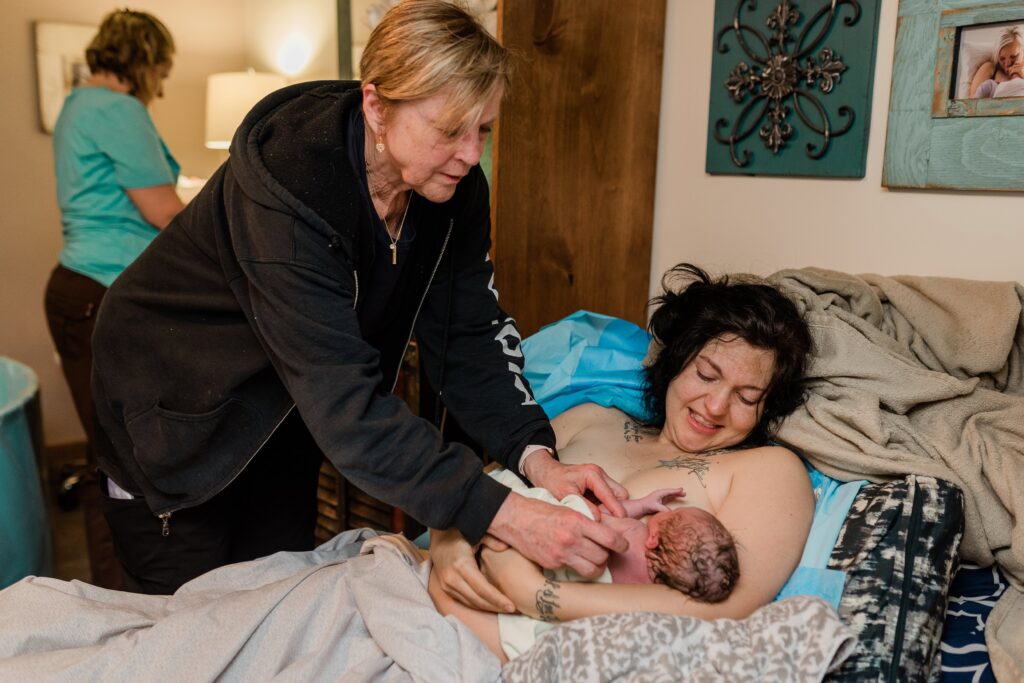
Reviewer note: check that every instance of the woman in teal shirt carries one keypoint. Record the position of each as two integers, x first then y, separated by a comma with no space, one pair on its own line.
115,188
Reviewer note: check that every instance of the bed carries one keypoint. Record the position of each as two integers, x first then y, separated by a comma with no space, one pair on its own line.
973,593
925,375
356,608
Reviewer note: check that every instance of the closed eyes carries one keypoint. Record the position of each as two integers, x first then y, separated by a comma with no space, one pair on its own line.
743,399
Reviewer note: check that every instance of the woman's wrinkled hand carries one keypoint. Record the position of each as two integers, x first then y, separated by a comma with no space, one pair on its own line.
562,480
555,536
455,567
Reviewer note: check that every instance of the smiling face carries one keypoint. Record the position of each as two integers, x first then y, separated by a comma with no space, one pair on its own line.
1011,54
422,155
718,398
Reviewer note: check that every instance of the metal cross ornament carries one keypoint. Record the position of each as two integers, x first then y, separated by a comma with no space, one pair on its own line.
782,78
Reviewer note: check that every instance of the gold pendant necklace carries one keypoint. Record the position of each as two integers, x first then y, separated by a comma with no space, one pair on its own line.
398,235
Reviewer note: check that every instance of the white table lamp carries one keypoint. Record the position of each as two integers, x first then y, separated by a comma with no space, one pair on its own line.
229,97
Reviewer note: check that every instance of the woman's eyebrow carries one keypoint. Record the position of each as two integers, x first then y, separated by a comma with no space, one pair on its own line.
719,371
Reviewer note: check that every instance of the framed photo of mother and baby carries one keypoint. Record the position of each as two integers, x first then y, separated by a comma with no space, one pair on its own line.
955,112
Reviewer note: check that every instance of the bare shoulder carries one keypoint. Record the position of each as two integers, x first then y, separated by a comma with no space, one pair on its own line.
778,463
770,480
578,418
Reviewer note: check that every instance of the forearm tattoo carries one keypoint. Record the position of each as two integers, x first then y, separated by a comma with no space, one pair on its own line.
547,600
697,466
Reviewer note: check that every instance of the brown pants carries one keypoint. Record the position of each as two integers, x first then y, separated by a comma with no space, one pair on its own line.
71,302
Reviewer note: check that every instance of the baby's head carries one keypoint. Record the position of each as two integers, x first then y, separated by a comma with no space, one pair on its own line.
688,549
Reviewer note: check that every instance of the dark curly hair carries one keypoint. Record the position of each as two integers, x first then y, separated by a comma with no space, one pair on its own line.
688,318
696,555
127,45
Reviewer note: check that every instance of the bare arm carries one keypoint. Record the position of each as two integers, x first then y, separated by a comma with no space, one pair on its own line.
984,72
157,204
550,600
556,536
768,510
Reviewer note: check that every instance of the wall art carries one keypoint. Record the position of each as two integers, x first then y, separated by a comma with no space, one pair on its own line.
791,86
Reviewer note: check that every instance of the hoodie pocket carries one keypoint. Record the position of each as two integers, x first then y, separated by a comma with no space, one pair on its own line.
189,453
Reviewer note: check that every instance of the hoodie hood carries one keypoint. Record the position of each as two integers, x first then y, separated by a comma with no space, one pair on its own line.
313,179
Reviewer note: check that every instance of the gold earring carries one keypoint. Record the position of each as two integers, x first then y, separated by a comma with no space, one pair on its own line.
380,144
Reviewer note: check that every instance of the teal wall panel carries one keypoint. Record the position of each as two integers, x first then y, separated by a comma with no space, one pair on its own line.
853,44
909,145
977,154
912,79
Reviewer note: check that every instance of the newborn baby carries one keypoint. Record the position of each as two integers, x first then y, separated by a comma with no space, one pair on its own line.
685,548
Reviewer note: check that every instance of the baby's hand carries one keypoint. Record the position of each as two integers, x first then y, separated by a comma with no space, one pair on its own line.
652,502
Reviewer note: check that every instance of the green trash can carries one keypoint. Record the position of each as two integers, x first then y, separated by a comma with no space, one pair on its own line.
25,546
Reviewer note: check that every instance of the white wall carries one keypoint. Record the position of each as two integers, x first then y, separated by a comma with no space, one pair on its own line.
270,23
759,225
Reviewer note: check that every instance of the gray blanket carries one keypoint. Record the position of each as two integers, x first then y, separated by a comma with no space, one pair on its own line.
323,615
918,375
334,614
792,640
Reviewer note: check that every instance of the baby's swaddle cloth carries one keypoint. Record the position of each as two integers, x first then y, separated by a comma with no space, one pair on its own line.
519,632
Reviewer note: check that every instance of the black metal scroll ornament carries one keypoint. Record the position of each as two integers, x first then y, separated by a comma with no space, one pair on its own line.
776,77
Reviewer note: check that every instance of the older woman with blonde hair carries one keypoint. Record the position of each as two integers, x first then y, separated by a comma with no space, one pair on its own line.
116,189
265,327
1006,64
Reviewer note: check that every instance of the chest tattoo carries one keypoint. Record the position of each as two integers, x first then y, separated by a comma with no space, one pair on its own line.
631,431
695,466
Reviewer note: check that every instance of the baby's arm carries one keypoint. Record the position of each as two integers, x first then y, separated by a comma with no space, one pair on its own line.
651,503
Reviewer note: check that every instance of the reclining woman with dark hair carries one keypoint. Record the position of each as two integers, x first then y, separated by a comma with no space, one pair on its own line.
728,363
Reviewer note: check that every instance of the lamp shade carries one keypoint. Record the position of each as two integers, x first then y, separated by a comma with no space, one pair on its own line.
229,97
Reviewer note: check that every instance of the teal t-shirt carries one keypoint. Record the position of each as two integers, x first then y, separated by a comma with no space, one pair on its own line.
103,143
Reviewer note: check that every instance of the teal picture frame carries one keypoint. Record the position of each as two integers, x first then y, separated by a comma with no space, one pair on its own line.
934,141
791,87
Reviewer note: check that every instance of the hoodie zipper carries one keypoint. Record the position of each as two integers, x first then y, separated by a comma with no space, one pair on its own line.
423,297
165,517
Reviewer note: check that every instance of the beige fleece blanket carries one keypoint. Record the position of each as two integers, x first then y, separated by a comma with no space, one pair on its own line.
925,375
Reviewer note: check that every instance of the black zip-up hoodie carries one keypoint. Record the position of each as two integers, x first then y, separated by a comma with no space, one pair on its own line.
245,308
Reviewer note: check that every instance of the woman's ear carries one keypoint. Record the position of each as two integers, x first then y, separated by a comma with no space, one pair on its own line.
374,109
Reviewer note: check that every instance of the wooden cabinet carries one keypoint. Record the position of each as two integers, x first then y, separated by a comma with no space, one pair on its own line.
575,158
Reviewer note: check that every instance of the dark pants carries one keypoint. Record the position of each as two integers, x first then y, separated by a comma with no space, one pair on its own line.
270,506
71,303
